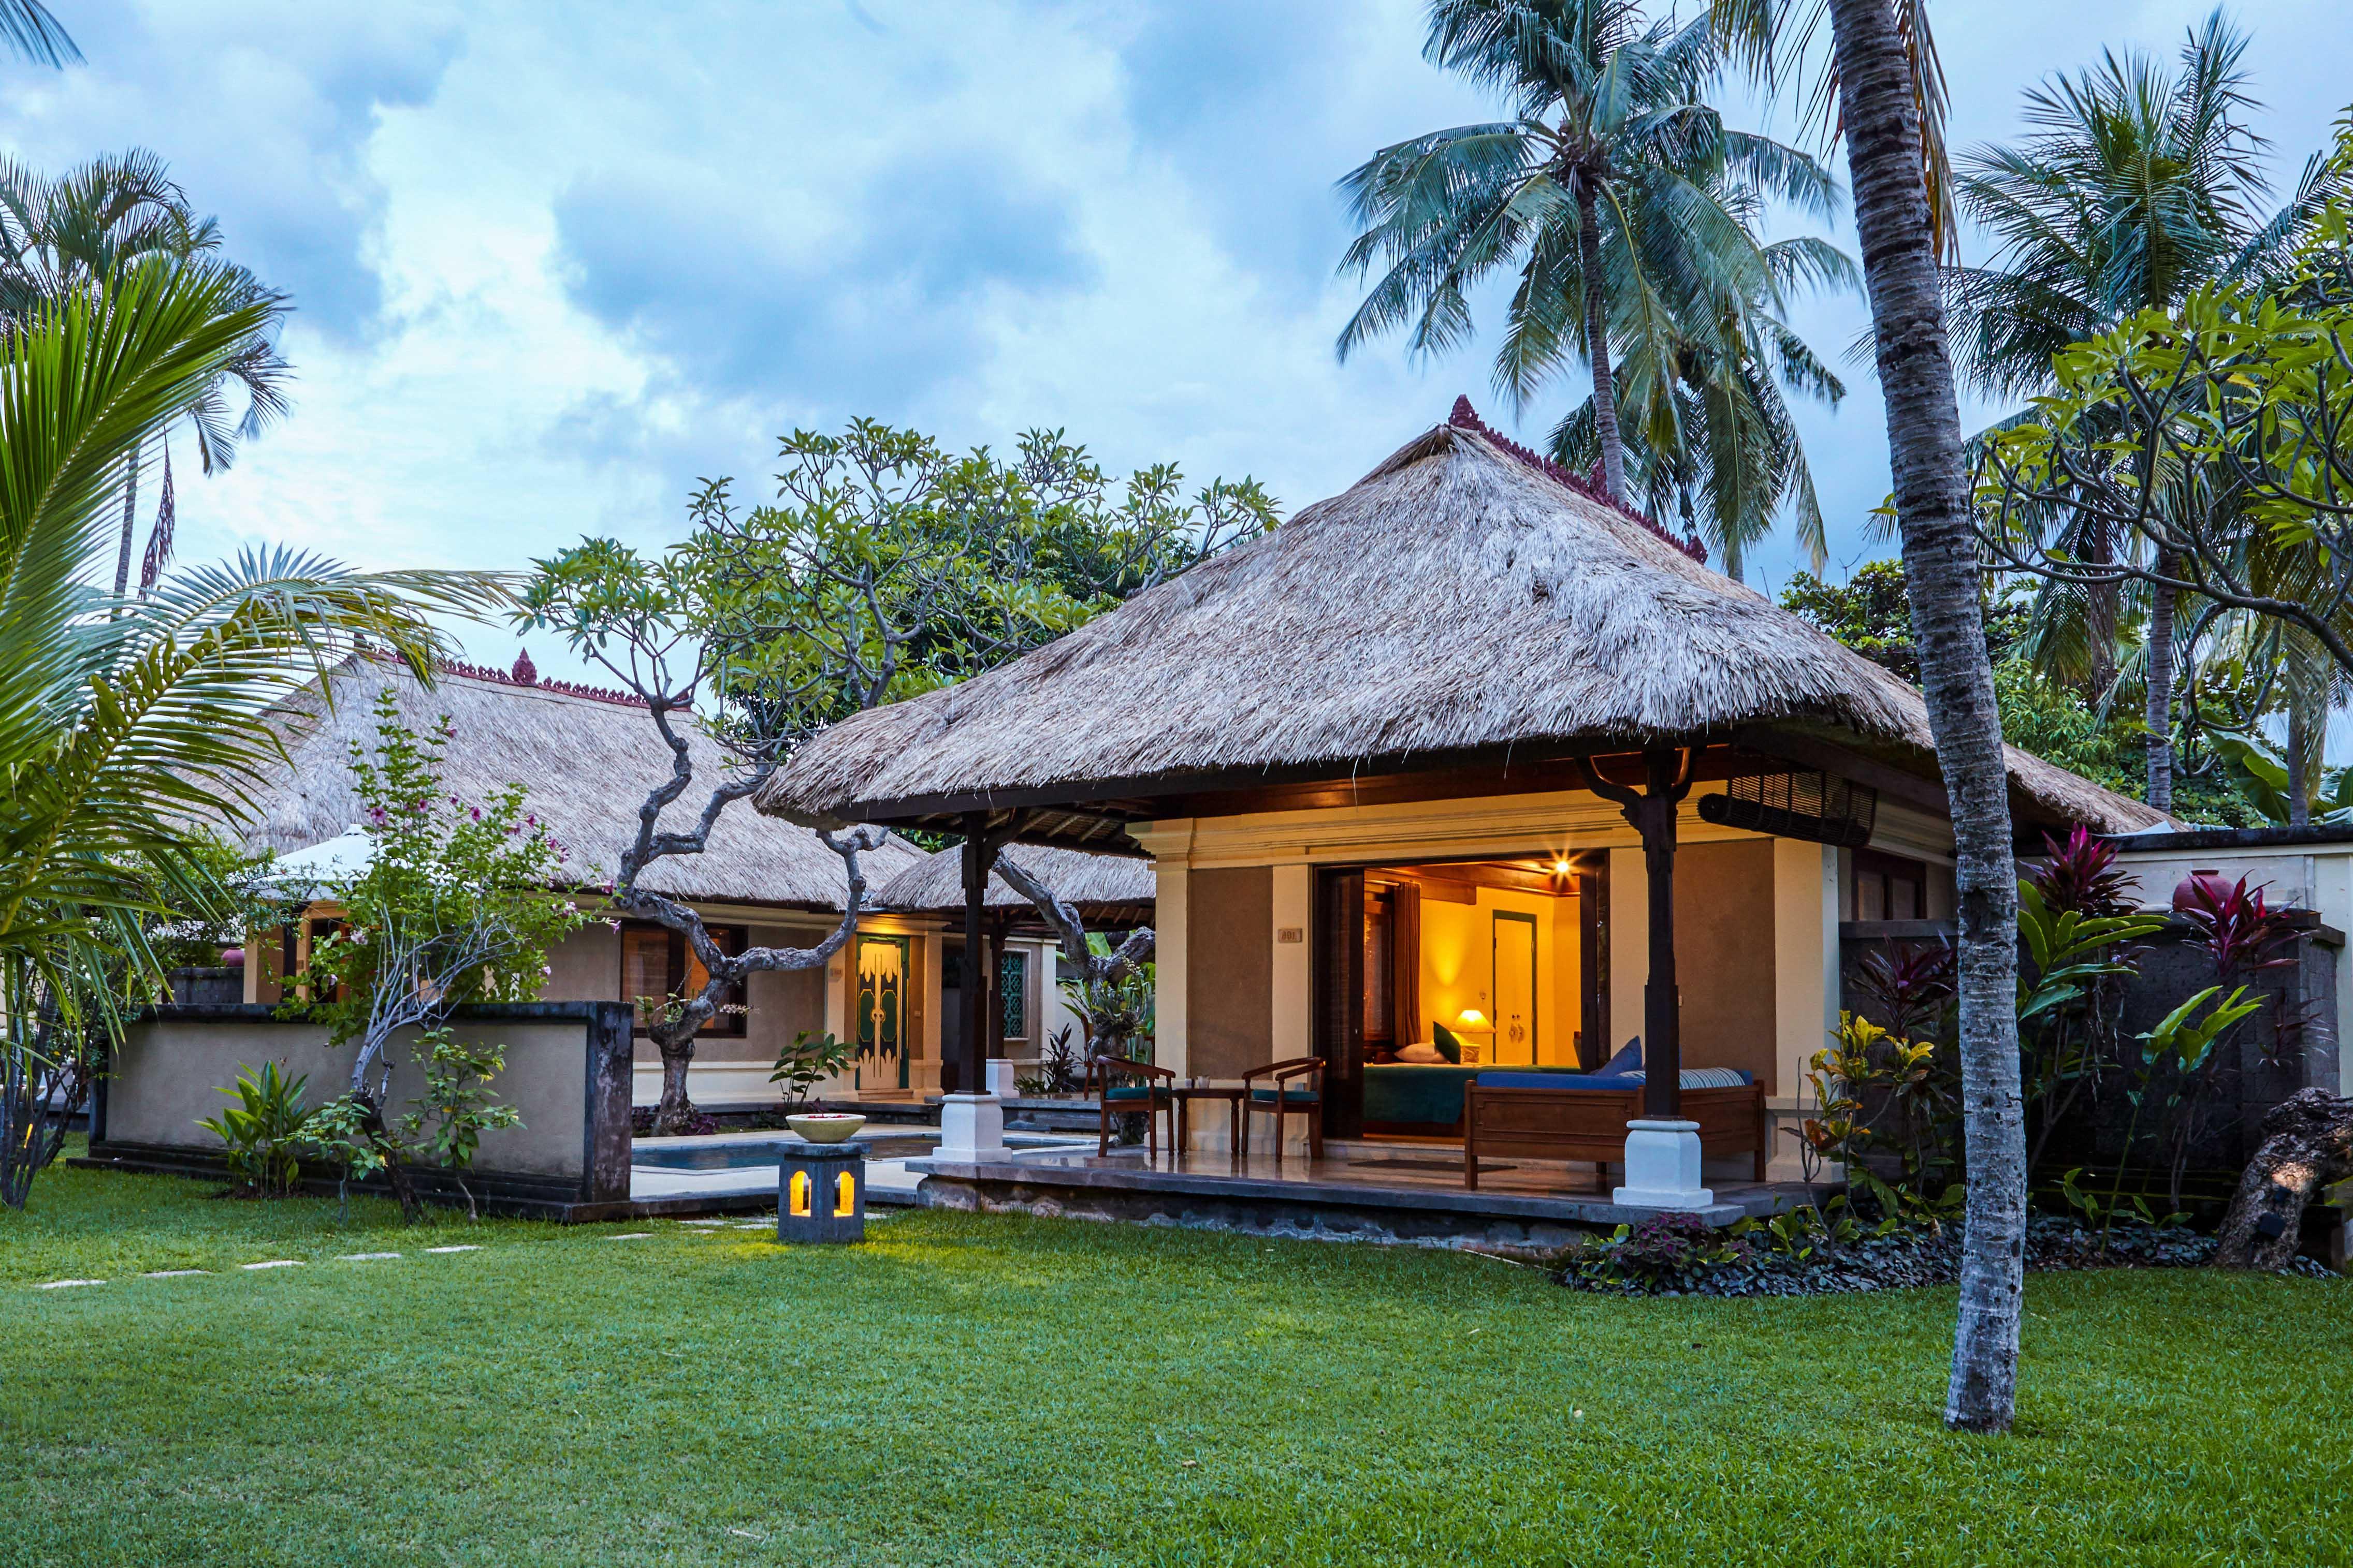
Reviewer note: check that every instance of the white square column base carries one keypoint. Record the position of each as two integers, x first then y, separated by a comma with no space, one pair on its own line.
999,1073
1663,1167
972,1127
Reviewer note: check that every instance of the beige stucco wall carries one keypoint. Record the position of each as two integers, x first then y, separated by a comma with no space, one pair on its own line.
585,966
1229,990
166,1073
1723,955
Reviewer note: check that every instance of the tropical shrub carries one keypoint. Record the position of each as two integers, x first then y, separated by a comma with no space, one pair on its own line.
1887,1109
1662,1253
808,1061
267,1131
2076,921
1117,1014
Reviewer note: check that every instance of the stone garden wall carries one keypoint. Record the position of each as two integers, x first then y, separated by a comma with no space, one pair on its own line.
568,1073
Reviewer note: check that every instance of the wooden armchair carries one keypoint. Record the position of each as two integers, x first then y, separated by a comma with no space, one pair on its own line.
1148,1095
1272,1088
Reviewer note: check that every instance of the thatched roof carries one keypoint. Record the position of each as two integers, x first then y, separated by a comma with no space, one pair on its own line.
936,883
1456,598
587,758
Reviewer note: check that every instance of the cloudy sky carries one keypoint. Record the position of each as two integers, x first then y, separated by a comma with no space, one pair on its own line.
552,263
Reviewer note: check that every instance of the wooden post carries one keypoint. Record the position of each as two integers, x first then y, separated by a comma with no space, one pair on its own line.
1653,815
1663,1046
972,1051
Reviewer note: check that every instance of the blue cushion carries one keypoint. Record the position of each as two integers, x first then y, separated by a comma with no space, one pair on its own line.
1628,1060
1290,1096
1552,1080
1448,1046
1129,1091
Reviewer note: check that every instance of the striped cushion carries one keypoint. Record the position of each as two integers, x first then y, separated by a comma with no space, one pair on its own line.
1703,1077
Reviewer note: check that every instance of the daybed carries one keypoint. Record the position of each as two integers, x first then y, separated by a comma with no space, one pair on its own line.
1579,1116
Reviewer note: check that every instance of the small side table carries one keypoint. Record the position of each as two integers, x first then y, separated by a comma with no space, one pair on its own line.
1186,1093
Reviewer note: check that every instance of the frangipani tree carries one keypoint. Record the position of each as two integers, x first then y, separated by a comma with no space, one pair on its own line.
886,566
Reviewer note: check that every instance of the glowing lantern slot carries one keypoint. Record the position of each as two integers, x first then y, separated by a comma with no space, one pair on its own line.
845,1198
800,1193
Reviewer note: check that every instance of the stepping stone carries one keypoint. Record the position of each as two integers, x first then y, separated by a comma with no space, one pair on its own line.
366,1256
62,1284
174,1273
630,1235
702,1222
467,1246
275,1263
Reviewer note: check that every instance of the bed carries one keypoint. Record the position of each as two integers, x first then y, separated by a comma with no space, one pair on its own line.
1583,1115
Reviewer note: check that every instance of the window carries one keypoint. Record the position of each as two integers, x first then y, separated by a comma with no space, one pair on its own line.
1013,988
657,965
1889,888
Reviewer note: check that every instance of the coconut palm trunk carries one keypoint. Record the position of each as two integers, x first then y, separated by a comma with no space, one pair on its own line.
1597,342
2160,711
1924,435
2301,756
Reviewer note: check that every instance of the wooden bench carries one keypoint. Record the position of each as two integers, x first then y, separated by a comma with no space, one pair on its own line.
1591,1125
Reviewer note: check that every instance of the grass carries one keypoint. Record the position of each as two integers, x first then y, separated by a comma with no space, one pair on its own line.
977,1389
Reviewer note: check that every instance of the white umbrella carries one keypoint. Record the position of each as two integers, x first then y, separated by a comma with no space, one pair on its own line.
323,868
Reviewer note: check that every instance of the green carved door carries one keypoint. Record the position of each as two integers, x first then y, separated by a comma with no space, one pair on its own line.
882,1014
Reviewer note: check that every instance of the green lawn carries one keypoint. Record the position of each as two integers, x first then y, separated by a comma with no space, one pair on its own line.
989,1390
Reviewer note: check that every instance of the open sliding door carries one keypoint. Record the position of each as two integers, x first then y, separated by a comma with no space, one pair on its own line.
1338,978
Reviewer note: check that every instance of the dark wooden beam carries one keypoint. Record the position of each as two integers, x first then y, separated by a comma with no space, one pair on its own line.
1520,768
1474,874
1652,813
1828,757
982,839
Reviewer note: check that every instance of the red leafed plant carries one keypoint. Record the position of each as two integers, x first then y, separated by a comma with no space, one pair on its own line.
2240,932
2081,875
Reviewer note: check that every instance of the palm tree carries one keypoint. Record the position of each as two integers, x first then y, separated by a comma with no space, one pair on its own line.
2133,187
1707,431
123,724
32,34
1617,192
99,223
1882,93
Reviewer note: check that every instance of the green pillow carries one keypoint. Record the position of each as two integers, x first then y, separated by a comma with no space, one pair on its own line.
1448,1046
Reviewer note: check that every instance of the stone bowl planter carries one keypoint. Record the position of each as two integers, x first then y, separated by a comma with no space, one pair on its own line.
826,1126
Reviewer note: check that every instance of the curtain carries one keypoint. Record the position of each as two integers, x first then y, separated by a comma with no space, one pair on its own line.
1405,964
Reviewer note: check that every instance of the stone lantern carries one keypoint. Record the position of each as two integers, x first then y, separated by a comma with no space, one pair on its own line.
821,1192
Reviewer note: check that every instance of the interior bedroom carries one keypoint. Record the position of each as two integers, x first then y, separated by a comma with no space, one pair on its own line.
1468,964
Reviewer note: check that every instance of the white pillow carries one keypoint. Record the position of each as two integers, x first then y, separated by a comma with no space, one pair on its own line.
1420,1051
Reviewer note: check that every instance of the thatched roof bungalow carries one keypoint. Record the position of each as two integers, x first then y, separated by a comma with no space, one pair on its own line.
1357,750
587,758
1109,891
1457,605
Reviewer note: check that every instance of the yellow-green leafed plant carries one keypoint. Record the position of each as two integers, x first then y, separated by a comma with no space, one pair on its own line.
266,1130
